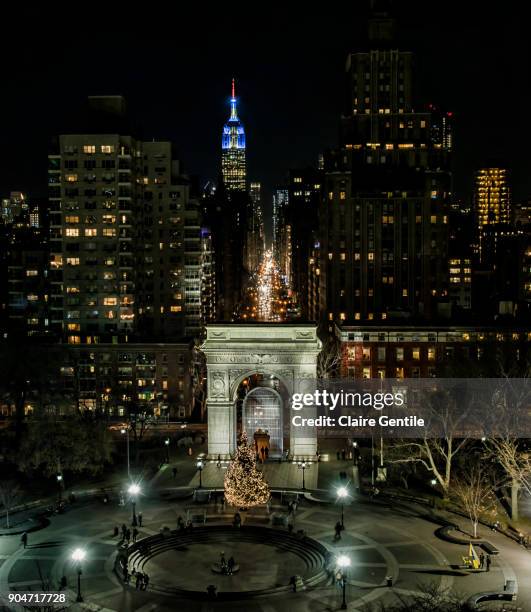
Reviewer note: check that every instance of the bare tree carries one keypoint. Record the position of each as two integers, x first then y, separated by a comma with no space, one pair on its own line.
509,404
474,492
10,494
438,450
329,359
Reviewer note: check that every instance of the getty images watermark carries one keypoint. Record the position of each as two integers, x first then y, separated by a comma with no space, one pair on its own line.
411,408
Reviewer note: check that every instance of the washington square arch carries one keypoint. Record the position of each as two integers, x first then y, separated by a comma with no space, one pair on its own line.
253,369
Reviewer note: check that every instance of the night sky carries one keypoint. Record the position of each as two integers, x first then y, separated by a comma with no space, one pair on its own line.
174,65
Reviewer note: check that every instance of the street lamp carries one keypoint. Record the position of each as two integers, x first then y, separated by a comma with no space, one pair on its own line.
133,491
303,465
60,484
342,492
200,466
126,432
343,562
78,555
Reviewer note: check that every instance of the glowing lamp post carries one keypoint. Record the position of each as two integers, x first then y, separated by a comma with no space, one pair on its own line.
133,491
200,466
303,465
78,555
343,563
125,432
342,493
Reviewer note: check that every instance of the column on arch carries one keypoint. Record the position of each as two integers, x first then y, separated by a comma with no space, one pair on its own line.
303,440
221,428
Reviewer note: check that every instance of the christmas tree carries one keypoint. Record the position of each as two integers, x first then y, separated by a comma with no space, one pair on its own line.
245,486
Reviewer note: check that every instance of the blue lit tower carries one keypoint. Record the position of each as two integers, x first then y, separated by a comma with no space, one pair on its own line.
233,165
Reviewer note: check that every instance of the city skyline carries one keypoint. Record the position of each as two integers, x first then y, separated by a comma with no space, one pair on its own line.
285,97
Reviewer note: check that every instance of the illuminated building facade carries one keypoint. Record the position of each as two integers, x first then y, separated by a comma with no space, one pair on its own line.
254,241
383,219
386,351
492,207
280,201
125,252
233,162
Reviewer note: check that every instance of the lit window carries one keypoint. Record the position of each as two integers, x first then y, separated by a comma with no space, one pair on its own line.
32,273
107,149
400,354
110,301
431,353
415,353
175,308
72,261
109,232
71,178
89,149
72,219
342,316
74,339
433,219
370,256
342,195
92,232
404,292
73,326
71,232
342,257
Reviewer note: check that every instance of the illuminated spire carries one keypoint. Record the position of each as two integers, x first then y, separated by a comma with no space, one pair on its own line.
233,111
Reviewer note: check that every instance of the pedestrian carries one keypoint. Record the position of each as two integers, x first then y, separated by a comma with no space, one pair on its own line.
24,539
128,535
189,451
174,471
230,565
180,523
489,561
124,531
337,530
212,591
138,582
293,583
481,560
62,584
290,508
116,531
135,534
145,582
140,519
223,562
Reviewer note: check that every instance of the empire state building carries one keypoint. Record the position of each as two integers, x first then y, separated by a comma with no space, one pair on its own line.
233,166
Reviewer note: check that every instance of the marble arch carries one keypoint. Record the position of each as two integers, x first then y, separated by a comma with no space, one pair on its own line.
235,351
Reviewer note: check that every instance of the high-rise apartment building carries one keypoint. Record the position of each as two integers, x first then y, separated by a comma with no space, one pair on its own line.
280,201
124,235
233,162
492,208
255,239
383,218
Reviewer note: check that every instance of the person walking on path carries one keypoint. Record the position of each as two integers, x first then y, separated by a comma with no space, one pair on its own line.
135,534
337,529
145,582
128,535
124,531
140,519
174,472
481,561
116,531
489,561
24,539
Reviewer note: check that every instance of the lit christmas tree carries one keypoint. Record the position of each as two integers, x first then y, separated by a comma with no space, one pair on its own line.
245,486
